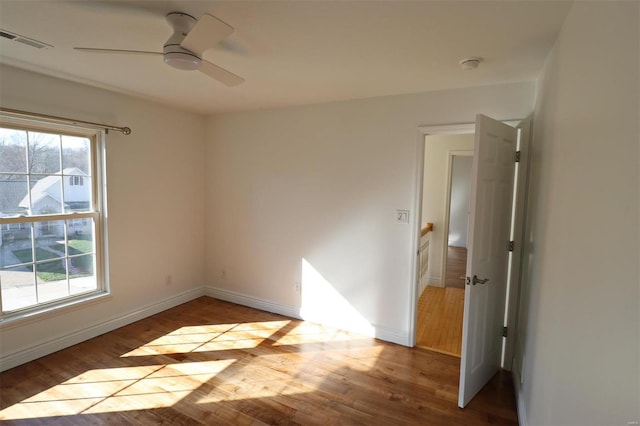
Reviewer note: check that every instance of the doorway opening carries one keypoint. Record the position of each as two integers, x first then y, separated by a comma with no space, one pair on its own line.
443,247
456,218
498,199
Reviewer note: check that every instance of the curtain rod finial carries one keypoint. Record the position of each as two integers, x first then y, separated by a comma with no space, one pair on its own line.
126,130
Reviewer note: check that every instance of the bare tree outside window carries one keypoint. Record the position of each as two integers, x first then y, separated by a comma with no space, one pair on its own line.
44,152
49,217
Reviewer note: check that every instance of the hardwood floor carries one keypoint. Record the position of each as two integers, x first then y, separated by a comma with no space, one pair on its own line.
440,313
456,267
212,362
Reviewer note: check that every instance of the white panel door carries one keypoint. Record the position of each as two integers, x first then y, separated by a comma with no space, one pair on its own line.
488,255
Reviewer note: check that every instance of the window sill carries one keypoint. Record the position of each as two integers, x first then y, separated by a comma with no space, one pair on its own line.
20,319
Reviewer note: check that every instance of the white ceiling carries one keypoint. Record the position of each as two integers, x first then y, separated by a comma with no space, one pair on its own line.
289,52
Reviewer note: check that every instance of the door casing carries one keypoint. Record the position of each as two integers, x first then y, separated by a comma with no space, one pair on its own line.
456,129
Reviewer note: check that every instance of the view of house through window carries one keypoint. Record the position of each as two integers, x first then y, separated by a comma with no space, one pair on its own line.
50,221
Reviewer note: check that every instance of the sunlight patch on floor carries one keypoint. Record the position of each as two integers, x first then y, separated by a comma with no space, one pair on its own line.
252,383
218,337
112,389
164,385
312,333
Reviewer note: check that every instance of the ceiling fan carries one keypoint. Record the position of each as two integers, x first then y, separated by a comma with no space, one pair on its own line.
184,49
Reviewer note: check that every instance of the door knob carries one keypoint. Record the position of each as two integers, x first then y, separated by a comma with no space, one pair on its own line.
477,280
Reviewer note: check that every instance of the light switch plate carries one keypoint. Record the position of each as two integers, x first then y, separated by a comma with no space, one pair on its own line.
402,216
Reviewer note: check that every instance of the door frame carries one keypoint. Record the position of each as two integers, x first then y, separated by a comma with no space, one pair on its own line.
513,285
520,202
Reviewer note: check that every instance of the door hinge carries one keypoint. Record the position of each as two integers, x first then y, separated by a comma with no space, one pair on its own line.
517,156
511,245
505,331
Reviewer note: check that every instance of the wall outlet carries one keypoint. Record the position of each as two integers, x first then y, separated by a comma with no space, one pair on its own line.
168,280
298,287
223,274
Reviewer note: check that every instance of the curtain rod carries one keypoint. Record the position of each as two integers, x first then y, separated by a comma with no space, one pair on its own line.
124,130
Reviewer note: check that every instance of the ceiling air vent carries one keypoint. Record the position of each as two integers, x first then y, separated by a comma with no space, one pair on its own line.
24,40
7,35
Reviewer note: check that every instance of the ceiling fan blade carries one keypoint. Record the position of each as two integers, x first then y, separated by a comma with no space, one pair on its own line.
207,32
117,51
225,77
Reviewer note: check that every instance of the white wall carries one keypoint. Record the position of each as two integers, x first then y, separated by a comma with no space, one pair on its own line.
322,183
579,326
155,201
459,203
434,192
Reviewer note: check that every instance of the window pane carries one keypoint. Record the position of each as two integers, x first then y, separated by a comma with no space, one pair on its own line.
76,154
14,199
50,240
77,193
52,280
16,244
44,153
46,195
81,274
80,236
13,151
53,270
81,248
18,288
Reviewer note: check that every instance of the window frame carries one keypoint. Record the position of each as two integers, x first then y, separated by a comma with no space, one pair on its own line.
97,213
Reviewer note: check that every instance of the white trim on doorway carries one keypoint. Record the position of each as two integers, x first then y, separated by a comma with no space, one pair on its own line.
423,131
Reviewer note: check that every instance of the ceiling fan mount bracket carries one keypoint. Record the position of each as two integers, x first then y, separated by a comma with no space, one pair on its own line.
181,22
174,55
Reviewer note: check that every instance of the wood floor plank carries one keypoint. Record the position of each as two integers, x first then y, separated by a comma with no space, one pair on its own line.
440,314
212,362
456,267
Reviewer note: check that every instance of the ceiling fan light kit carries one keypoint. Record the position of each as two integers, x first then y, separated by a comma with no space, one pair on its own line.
182,60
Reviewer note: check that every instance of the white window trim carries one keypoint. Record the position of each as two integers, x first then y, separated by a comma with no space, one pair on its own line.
98,214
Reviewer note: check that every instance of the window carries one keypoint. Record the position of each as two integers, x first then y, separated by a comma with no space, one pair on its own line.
51,221
76,180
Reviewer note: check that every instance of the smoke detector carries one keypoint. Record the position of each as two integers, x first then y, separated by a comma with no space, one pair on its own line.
470,63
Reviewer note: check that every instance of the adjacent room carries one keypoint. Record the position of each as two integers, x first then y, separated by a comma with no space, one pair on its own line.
373,212
446,200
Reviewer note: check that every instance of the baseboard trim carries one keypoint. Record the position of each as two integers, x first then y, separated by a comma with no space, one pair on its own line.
55,344
522,412
25,355
253,302
380,332
434,281
392,335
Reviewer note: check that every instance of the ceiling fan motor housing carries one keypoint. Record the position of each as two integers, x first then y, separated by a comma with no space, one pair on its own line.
174,55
